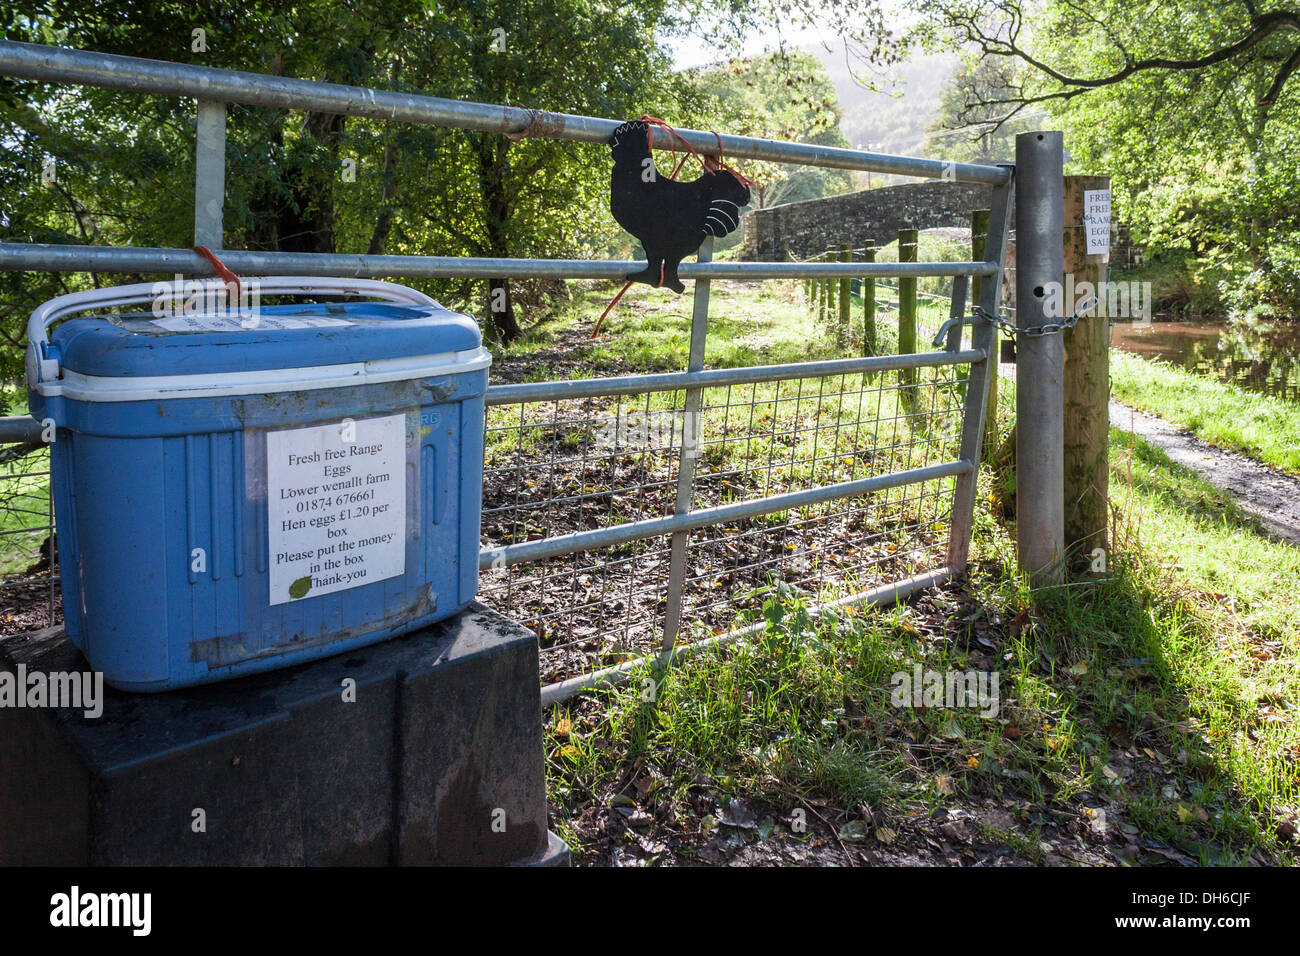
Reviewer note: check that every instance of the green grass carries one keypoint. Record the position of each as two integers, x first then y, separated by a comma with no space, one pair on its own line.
649,330
24,503
1169,687
1225,601
24,498
1259,426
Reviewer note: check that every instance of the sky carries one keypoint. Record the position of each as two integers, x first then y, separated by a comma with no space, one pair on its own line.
689,52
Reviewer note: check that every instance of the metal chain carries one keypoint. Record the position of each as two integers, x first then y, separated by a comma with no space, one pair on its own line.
1047,328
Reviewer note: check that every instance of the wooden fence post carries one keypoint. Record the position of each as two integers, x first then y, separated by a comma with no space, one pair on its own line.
869,302
842,325
817,295
828,292
907,243
1087,380
823,292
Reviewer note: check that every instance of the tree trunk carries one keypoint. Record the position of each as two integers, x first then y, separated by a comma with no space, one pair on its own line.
493,165
306,222
384,221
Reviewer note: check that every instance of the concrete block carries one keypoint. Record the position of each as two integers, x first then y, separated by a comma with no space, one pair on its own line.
437,760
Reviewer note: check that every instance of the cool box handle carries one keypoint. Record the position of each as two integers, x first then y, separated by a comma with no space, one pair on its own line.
43,369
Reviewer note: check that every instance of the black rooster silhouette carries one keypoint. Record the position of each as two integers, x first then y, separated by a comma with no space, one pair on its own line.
670,218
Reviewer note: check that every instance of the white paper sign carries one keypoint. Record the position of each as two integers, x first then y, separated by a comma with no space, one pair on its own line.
1096,220
336,506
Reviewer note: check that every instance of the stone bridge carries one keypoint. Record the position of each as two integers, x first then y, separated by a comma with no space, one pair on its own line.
803,229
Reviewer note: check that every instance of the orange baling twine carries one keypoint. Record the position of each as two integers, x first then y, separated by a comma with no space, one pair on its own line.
222,270
709,165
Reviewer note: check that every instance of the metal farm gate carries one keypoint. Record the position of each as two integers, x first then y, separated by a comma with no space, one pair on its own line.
628,516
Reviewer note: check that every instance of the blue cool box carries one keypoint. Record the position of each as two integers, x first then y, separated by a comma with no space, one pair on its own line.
235,495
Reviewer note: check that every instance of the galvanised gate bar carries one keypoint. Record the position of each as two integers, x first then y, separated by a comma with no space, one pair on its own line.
627,517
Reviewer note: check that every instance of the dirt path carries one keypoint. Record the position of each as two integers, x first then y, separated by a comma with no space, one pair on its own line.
1268,494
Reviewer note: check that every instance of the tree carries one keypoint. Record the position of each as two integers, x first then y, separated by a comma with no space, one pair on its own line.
101,167
1072,47
1192,108
785,96
536,196
318,182
126,161
965,131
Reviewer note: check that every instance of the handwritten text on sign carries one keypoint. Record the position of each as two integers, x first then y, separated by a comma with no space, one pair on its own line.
336,506
1096,220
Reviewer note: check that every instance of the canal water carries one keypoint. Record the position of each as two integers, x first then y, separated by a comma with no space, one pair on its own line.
1260,356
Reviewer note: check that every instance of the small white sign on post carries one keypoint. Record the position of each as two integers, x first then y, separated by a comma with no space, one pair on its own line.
336,506
1096,220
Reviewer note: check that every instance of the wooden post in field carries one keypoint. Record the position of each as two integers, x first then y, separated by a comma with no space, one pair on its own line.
817,296
1087,378
907,242
828,293
842,325
869,302
821,294
979,231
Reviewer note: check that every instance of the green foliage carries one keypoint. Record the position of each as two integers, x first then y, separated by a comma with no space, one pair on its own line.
1192,108
309,182
1118,688
784,96
967,130
326,183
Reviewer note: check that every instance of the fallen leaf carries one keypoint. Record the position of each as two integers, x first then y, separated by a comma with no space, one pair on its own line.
855,831
738,814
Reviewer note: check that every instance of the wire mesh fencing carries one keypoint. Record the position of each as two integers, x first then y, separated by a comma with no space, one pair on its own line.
556,467
29,587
